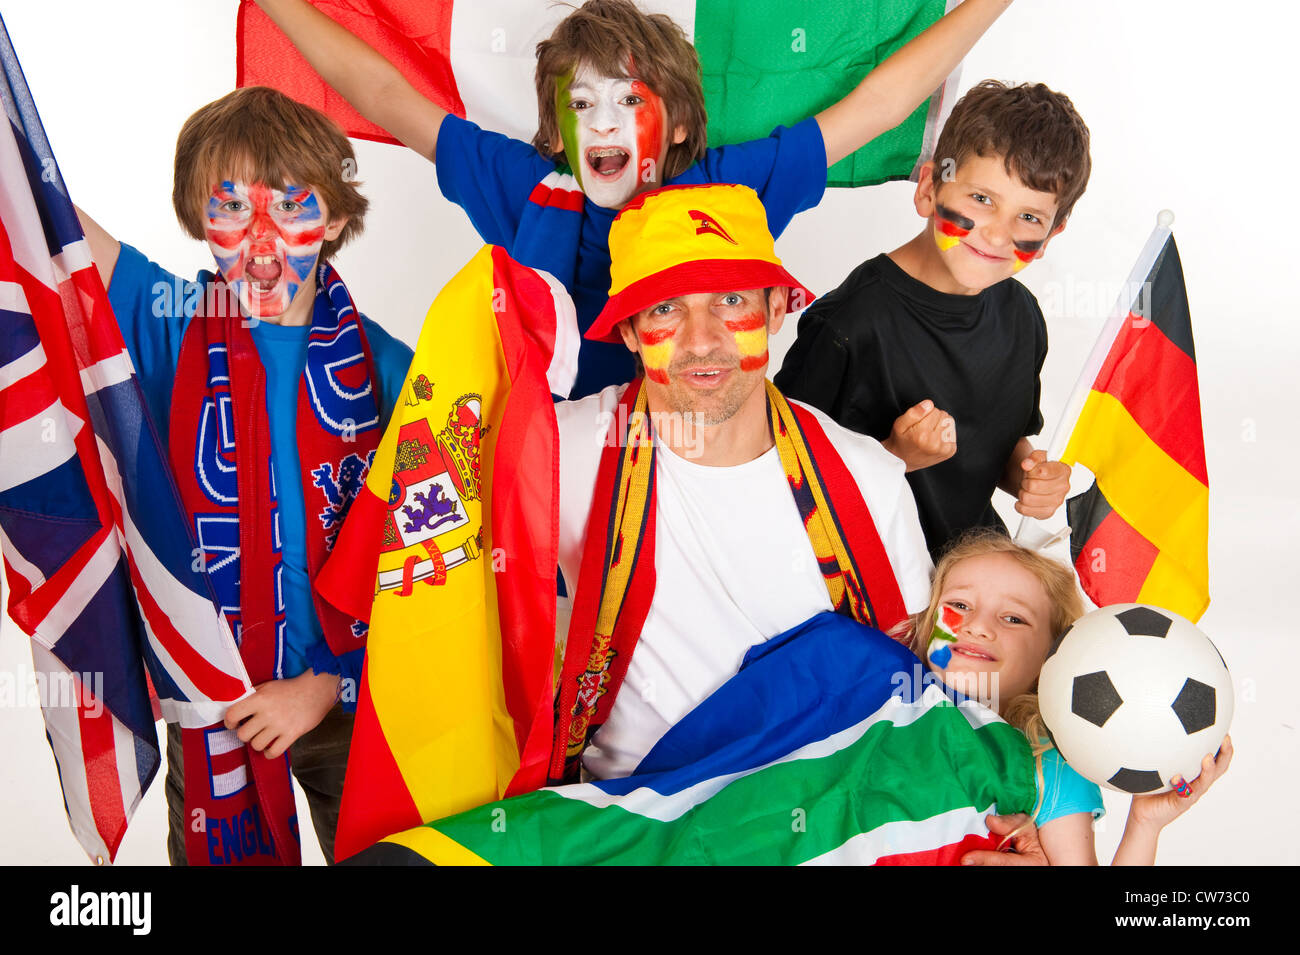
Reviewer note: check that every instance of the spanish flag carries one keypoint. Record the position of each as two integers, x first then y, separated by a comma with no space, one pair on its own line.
450,553
1140,533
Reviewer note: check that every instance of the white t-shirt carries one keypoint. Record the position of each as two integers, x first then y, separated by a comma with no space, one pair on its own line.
734,566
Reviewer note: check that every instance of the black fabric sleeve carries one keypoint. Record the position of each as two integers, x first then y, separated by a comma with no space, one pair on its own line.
1035,423
816,367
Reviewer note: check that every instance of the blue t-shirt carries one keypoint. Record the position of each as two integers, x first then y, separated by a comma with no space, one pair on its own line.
493,178
1065,792
153,308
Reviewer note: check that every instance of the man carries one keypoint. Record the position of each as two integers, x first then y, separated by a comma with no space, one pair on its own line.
701,516
735,515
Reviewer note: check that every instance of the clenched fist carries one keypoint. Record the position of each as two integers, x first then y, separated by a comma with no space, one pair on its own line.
1043,485
923,435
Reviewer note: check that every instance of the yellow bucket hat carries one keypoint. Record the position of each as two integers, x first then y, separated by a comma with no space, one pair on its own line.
683,240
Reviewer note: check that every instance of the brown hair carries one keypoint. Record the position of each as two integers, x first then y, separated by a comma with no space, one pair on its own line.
1041,138
607,36
260,135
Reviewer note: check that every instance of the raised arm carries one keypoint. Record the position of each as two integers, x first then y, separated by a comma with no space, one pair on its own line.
374,87
103,247
889,93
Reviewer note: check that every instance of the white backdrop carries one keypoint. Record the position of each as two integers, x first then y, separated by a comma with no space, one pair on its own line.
1185,103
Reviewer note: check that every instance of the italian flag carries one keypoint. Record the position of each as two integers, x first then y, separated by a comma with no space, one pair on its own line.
832,745
764,62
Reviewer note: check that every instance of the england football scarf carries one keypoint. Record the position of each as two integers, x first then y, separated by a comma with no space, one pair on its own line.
550,227
220,451
616,582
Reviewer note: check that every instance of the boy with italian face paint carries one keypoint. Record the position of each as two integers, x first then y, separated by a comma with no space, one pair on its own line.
934,349
272,391
620,112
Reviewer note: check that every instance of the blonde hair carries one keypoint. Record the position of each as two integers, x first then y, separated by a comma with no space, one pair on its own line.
1063,597
260,135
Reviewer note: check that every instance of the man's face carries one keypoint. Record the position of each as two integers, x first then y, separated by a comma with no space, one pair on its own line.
705,354
266,241
987,224
615,134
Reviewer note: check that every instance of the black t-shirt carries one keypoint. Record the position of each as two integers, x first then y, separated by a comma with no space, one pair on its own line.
883,341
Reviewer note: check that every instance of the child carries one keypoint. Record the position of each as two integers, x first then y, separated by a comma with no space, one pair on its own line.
609,69
280,366
1015,603
933,349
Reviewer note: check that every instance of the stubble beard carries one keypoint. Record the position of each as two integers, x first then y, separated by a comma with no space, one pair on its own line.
695,409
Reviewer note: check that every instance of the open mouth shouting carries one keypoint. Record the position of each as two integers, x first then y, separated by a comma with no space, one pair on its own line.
607,162
264,273
613,133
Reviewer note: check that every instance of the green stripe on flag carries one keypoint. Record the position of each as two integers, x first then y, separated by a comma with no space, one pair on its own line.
771,62
785,813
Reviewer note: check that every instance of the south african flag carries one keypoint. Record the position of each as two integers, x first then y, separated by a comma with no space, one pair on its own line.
832,745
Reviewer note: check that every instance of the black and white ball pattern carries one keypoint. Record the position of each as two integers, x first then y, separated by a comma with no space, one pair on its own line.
1135,695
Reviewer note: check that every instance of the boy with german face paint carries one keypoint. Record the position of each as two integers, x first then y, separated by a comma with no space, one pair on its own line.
269,478
620,112
933,348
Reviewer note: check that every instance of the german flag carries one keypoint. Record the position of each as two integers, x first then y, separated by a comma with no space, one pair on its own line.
449,552
1140,532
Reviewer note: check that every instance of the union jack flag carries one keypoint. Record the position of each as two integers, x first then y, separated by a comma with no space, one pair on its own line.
98,554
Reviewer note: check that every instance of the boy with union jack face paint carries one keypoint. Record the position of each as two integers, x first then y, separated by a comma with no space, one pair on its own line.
620,112
266,242
273,391
933,349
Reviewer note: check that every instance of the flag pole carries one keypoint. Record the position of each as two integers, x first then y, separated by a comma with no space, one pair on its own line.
1033,532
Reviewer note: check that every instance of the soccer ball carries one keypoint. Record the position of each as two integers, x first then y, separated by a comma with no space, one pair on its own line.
1135,695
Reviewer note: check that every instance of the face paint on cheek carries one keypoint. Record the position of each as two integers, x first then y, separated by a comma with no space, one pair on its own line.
649,132
265,241
751,340
657,353
567,120
950,227
226,229
303,234
943,637
1025,252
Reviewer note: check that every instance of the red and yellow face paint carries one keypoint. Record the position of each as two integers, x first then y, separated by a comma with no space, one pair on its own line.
1026,252
750,332
950,227
657,347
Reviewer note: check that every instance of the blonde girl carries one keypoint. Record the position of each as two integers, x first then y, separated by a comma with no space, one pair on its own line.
1015,604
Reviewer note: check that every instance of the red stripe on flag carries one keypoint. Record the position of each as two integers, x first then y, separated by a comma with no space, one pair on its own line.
39,603
209,680
1155,381
944,855
100,757
1114,562
417,42
571,200
26,398
92,325
525,488
376,802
